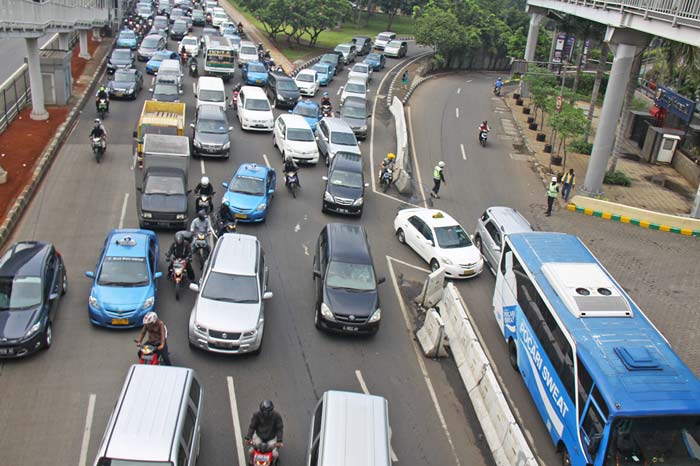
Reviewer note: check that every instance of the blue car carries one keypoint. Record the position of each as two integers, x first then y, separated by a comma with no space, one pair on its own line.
127,39
375,60
254,73
325,72
153,64
124,280
310,110
250,192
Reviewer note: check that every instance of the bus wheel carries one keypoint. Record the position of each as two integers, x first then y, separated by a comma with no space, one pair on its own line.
565,457
513,354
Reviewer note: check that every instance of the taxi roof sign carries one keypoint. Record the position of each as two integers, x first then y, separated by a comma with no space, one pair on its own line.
438,214
126,241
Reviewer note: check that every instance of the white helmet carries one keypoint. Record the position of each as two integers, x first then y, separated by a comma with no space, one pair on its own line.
554,179
150,318
205,181
441,164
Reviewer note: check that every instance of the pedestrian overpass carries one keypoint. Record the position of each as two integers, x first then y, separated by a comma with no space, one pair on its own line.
630,26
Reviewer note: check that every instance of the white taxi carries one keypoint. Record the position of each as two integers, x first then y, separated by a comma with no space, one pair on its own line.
440,241
191,45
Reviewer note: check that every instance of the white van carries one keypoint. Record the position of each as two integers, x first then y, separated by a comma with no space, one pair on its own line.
293,137
253,108
383,38
156,419
344,418
210,90
247,53
171,68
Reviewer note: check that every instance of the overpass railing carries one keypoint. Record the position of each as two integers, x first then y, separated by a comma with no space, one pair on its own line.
51,15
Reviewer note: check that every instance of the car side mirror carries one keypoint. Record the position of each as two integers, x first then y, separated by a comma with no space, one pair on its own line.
192,125
194,287
224,184
366,185
189,191
157,275
267,295
139,189
53,296
90,274
289,111
381,280
324,178
369,115
134,134
496,247
317,273
181,91
271,191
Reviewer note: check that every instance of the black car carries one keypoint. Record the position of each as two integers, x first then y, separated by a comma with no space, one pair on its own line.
120,59
281,90
126,84
345,185
179,30
355,111
363,44
211,132
335,59
166,89
198,18
32,281
345,282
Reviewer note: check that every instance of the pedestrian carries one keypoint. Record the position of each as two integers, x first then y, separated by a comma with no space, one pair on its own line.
552,191
404,79
568,183
438,177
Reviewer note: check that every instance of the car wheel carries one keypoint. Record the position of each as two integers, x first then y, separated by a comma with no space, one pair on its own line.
401,236
434,265
477,243
513,354
274,139
317,321
48,336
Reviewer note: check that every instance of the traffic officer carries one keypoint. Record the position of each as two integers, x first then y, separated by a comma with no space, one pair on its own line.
438,177
552,191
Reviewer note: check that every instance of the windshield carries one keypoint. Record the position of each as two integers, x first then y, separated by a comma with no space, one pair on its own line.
330,58
208,95
160,22
257,105
231,288
180,25
150,42
113,462
256,68
219,15
19,292
247,185
343,48
343,139
158,57
353,112
124,76
383,37
127,35
248,50
300,134
394,43
350,276
452,237
121,55
215,56
235,40
198,14
355,88
286,85
212,126
123,271
166,185
145,10
374,57
320,68
190,41
668,440
306,110
305,77
347,179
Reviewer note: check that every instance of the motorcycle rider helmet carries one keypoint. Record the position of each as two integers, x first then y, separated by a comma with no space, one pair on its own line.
202,214
485,123
441,164
103,88
266,407
554,179
391,156
97,122
205,181
150,318
179,238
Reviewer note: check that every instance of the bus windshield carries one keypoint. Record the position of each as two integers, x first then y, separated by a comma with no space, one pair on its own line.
671,440
220,57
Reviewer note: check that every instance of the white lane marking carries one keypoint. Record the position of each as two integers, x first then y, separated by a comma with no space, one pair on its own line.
340,89
457,112
422,269
416,168
306,249
459,90
123,214
194,89
419,357
464,154
469,80
267,162
86,431
201,166
236,421
358,374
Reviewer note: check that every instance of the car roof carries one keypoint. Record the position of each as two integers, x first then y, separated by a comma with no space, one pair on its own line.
211,112
252,91
337,124
307,103
252,170
236,254
128,243
509,220
256,63
24,258
348,243
433,217
294,121
347,161
210,82
326,65
281,76
180,21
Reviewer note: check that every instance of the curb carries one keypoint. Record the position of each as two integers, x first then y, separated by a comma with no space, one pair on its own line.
632,221
44,162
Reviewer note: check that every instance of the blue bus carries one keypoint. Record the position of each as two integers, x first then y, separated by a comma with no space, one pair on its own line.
607,384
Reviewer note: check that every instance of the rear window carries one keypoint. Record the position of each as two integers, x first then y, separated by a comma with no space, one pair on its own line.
383,37
248,50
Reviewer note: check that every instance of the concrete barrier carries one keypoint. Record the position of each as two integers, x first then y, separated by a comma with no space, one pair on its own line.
402,179
503,434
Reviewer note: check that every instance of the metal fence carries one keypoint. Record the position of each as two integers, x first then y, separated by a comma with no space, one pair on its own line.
674,9
19,15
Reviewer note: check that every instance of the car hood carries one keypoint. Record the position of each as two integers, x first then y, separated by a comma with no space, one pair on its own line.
303,146
463,256
344,191
121,297
15,324
212,138
287,94
227,317
247,57
161,203
304,85
355,303
244,201
122,84
120,62
257,75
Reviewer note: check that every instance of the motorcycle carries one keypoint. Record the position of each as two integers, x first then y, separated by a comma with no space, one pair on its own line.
234,100
194,71
291,181
102,108
98,148
178,274
204,202
497,91
184,58
483,135
149,355
225,227
240,31
201,248
326,110
385,179
263,455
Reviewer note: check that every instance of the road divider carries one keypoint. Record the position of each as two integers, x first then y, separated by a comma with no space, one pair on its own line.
401,177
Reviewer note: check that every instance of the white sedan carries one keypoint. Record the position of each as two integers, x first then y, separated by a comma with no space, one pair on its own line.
191,44
440,241
308,83
361,71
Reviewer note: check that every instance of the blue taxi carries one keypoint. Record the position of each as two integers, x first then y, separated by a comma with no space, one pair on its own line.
325,72
250,192
254,73
375,60
153,64
127,39
124,279
310,110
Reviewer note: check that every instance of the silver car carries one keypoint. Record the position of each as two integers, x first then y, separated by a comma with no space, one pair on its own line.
492,228
228,315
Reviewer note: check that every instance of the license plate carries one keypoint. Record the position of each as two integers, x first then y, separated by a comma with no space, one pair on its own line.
240,216
258,81
120,321
349,328
467,273
7,351
118,94
342,211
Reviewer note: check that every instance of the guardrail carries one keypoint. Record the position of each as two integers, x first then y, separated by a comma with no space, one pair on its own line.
664,10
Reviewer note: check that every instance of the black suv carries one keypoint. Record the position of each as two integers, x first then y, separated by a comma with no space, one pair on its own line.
281,90
363,44
345,284
345,185
32,280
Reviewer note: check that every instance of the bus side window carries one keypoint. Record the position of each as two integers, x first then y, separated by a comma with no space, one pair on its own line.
585,383
592,425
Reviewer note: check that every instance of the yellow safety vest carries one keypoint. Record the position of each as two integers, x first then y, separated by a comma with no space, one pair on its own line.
437,173
569,179
552,189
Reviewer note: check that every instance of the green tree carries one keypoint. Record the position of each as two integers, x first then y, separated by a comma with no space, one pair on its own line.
568,122
541,85
440,29
322,15
391,8
275,16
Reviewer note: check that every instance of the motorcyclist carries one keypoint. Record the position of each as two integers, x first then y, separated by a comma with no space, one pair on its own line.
102,94
261,48
290,166
484,127
204,187
180,249
266,427
201,223
240,28
388,162
326,101
498,85
98,131
224,217
183,55
157,335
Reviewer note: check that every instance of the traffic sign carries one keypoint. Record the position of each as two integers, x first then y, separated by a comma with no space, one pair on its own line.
559,102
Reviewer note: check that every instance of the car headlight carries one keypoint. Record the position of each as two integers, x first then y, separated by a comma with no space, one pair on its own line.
129,91
326,312
375,317
196,143
262,206
280,97
250,333
200,329
149,302
180,217
226,146
359,201
328,197
363,128
94,302
446,260
146,215
33,330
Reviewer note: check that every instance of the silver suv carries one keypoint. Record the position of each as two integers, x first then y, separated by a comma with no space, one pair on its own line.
493,226
228,315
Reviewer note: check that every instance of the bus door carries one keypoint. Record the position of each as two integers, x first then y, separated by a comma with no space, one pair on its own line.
591,425
504,298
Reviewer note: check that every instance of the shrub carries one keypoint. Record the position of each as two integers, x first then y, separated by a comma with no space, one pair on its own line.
617,178
586,81
581,146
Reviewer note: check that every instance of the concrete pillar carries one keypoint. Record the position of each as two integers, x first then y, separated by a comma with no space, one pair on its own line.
96,35
84,52
35,81
553,49
64,40
532,34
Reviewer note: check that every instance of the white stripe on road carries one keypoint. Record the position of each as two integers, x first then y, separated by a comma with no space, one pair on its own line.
459,90
236,421
267,162
86,431
123,214
358,374
340,89
469,80
464,154
410,265
457,112
421,363
415,159
201,165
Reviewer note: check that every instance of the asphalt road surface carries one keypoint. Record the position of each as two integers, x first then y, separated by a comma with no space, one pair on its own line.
45,398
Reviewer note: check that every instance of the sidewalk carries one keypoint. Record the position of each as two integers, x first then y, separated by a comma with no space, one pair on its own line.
654,187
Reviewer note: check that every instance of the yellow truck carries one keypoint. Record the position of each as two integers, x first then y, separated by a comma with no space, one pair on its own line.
166,118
